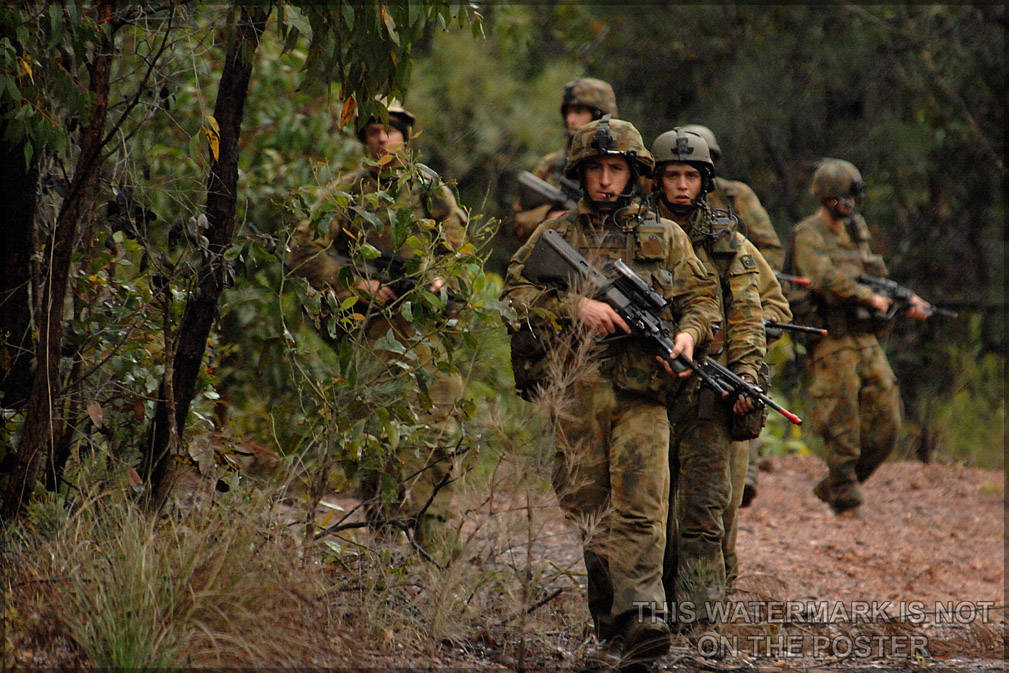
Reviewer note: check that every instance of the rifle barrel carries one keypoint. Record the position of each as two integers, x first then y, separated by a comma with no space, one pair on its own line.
792,327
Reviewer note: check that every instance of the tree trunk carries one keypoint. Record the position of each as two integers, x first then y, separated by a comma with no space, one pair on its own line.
42,420
178,386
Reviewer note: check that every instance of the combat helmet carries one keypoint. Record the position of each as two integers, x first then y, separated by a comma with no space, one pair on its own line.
709,137
608,136
593,93
399,119
685,147
836,179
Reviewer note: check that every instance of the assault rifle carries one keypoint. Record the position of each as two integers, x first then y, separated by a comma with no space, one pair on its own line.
535,192
900,295
734,386
554,262
798,281
774,329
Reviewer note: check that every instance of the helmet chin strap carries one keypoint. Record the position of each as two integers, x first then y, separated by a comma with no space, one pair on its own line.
679,209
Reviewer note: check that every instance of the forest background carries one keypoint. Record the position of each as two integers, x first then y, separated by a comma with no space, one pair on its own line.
149,207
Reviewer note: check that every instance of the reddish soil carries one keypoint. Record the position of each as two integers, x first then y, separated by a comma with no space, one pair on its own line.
931,533
928,551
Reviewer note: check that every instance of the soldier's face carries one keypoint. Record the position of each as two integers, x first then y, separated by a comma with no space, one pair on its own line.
844,206
576,116
681,183
606,177
381,140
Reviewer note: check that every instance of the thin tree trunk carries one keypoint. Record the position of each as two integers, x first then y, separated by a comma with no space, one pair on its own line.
42,420
202,305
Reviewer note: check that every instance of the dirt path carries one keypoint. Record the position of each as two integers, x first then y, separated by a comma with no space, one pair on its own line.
817,590
929,549
930,533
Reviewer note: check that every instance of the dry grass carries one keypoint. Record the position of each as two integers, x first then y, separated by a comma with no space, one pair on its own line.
231,580
220,583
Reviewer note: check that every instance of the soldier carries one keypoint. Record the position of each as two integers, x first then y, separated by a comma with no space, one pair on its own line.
611,474
742,466
585,99
321,253
856,402
755,224
694,570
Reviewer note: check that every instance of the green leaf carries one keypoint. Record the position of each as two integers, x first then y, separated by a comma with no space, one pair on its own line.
389,343
390,25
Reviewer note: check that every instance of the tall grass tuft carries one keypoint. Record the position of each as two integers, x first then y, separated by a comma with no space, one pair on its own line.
219,583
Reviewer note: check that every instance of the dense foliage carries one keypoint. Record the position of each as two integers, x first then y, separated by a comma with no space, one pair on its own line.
912,94
154,161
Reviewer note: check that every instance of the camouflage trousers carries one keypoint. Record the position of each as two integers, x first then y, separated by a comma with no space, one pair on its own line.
856,410
739,458
612,481
699,451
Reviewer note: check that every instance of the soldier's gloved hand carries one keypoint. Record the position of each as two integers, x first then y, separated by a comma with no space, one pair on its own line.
600,317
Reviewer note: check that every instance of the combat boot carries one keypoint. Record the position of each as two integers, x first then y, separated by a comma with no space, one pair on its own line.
842,497
647,641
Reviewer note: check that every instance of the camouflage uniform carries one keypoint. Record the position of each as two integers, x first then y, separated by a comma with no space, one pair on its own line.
700,447
593,93
611,476
856,401
754,223
429,199
611,470
774,306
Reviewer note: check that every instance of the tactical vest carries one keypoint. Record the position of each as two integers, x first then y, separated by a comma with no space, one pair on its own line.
639,240
720,240
811,308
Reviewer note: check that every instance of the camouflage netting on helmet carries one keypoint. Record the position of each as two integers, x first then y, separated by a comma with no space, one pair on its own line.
607,137
836,179
592,93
